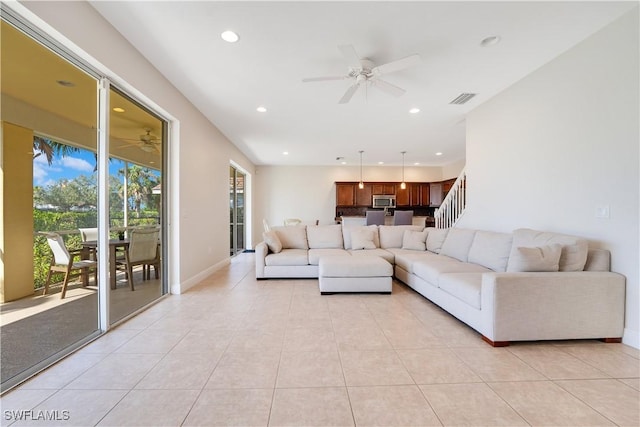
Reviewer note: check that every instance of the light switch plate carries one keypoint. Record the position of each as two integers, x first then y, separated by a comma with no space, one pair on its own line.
602,212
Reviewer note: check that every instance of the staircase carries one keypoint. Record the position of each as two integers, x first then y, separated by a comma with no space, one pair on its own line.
454,203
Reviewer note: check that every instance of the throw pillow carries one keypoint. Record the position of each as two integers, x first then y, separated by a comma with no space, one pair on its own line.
414,240
362,239
435,238
272,241
541,258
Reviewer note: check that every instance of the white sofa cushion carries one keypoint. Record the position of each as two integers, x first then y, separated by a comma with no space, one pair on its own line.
415,240
380,253
273,242
574,249
325,236
316,254
362,239
288,257
491,250
541,258
391,235
435,266
435,238
292,236
405,258
362,267
346,234
458,243
464,286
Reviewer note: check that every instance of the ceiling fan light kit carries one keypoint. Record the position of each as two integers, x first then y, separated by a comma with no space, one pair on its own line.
363,71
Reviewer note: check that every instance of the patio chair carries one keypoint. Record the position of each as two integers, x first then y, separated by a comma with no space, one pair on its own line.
402,217
89,234
292,221
63,261
375,217
142,250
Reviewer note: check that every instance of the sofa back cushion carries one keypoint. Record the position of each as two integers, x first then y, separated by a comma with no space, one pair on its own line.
491,250
293,236
458,243
415,240
325,236
435,238
391,235
346,234
574,249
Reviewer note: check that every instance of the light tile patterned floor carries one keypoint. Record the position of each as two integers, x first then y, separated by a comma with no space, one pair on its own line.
234,351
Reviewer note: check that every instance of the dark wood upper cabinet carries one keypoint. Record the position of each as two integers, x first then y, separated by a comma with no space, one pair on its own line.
403,197
385,188
363,195
345,193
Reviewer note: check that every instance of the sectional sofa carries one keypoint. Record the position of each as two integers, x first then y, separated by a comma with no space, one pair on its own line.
526,285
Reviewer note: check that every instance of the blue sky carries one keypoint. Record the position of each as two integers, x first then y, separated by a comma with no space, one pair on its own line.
69,167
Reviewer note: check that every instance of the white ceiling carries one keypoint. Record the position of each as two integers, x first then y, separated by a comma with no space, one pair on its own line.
281,43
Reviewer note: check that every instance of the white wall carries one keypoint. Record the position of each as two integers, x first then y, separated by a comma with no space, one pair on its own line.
203,154
309,192
552,148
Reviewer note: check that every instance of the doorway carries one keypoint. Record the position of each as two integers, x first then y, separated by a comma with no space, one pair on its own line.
237,181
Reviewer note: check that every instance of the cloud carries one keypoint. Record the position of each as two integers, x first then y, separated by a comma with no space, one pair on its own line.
40,171
76,163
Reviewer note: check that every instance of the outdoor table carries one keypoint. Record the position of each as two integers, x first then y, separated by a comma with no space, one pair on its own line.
114,244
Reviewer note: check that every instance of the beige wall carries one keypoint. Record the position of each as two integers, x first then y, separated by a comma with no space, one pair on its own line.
16,244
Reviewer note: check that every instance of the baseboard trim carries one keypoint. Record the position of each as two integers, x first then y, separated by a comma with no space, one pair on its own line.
194,280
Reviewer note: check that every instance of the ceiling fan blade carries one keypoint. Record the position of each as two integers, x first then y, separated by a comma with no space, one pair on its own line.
350,55
349,93
322,79
398,65
387,87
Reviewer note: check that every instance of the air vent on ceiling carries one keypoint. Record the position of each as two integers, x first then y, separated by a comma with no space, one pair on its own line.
463,98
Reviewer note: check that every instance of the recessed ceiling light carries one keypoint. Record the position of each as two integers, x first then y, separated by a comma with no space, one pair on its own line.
286,153
490,41
118,110
65,83
261,109
416,163
344,163
381,163
414,110
438,154
229,36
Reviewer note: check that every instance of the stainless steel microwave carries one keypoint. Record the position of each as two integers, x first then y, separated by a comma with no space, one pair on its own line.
384,201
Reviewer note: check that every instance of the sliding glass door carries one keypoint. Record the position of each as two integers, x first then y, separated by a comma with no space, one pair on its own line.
56,200
49,143
236,210
136,147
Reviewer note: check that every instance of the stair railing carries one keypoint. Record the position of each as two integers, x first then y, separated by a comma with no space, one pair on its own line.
454,203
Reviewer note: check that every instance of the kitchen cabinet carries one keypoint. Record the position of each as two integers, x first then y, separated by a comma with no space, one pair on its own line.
435,194
446,186
384,188
363,195
419,194
403,197
346,193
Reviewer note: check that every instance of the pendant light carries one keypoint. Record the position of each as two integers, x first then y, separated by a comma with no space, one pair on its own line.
361,184
403,184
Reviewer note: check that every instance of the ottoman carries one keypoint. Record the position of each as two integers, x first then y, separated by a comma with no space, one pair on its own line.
354,274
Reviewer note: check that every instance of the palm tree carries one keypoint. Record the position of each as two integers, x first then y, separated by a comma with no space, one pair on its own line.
50,148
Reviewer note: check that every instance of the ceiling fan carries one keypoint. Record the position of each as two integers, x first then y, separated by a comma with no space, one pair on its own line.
147,142
363,71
